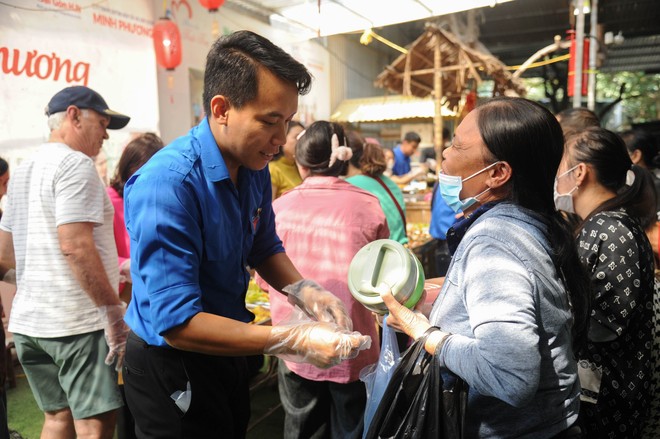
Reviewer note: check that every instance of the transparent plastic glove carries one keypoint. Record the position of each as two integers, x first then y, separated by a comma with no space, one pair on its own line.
319,303
413,323
125,272
319,343
116,332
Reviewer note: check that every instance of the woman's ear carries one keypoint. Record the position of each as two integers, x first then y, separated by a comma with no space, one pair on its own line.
499,175
580,173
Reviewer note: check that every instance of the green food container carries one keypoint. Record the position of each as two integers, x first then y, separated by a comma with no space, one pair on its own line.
385,261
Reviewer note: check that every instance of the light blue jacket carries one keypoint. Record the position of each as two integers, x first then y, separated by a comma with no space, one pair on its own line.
509,313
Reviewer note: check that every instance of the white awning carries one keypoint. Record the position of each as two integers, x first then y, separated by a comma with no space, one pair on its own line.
386,108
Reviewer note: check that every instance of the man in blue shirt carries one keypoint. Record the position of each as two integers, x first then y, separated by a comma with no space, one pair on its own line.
198,214
401,172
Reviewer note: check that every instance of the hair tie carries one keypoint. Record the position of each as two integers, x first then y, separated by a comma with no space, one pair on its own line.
630,177
300,134
339,152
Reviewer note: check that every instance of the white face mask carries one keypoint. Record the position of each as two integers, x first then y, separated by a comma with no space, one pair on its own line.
564,201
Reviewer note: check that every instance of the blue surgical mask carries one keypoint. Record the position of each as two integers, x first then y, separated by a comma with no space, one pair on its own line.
450,187
564,201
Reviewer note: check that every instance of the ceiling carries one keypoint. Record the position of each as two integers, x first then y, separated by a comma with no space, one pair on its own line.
511,30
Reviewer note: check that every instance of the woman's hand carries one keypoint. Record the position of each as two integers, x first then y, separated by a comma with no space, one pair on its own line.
413,323
402,319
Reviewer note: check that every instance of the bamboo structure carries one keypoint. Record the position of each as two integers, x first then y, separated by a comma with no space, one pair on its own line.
440,65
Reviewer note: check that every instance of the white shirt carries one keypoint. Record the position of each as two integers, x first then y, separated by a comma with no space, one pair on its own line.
55,186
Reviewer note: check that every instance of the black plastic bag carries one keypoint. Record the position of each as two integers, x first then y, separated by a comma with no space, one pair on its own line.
415,406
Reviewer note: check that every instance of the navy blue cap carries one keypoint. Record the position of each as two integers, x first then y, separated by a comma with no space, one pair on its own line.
84,97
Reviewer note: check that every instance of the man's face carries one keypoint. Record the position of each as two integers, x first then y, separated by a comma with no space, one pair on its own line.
408,148
253,134
91,129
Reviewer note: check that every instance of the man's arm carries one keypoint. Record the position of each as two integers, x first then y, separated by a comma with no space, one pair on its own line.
7,258
278,271
410,176
216,335
78,247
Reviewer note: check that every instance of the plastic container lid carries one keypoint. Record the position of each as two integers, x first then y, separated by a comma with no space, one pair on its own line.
385,261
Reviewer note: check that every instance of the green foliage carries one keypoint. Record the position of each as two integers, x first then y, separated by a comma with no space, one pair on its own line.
641,98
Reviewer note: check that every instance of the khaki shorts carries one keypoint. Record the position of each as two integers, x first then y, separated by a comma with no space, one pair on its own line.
70,372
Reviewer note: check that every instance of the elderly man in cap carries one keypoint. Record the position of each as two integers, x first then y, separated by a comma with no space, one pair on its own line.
56,230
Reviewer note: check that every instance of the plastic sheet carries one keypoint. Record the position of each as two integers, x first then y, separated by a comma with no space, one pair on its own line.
376,376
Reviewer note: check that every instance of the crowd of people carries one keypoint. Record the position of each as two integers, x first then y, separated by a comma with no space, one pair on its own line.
130,302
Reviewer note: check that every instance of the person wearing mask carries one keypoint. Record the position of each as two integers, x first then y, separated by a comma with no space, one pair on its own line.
514,305
284,173
614,199
199,213
402,173
323,223
365,170
67,318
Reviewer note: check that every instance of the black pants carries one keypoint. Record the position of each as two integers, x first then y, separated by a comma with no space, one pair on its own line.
220,401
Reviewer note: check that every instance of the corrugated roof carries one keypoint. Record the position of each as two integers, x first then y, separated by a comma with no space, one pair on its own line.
386,108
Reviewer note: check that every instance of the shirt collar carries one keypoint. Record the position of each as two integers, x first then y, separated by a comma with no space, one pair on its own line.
211,157
459,229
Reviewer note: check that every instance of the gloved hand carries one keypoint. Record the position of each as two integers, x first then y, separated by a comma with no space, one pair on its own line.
116,333
125,272
322,344
318,303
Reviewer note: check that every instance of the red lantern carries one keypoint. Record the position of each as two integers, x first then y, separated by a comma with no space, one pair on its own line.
212,5
571,66
167,43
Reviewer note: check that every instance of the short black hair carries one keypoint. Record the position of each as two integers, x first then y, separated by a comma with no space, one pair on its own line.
412,136
233,62
4,166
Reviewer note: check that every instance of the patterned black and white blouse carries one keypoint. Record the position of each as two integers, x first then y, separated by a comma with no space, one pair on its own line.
619,258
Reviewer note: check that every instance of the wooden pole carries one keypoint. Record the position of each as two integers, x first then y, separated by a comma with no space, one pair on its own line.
438,141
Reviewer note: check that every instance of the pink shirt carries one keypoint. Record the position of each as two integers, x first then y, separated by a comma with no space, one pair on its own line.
122,240
323,223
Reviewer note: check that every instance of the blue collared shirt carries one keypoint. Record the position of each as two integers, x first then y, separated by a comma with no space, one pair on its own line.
193,232
401,162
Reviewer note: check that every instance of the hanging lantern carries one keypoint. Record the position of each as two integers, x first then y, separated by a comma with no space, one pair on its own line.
572,62
213,6
167,43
